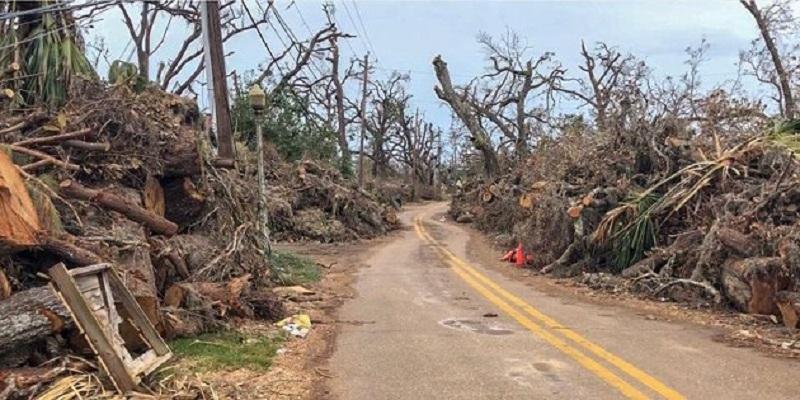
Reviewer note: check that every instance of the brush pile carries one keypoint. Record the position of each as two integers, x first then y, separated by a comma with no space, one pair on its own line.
127,178
708,219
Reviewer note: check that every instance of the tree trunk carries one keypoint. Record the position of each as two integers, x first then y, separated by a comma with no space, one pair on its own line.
30,315
181,156
763,27
341,125
479,138
123,206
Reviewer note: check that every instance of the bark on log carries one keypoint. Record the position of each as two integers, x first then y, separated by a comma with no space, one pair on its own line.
227,297
181,156
751,283
19,223
30,315
119,204
43,157
65,248
88,146
134,262
56,138
5,285
789,305
183,202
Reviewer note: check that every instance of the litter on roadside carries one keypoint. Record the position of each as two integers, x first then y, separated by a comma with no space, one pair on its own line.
516,256
297,325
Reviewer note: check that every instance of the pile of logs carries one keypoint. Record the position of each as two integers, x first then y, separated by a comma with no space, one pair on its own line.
119,178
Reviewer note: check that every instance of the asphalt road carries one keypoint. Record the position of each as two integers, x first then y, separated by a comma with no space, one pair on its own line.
423,326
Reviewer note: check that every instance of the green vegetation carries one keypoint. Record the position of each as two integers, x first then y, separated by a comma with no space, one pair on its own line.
631,230
286,125
228,350
291,269
42,56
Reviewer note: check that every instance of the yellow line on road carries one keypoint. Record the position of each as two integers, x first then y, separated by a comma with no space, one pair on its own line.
462,268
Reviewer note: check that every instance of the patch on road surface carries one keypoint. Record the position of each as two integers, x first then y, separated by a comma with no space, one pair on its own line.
475,326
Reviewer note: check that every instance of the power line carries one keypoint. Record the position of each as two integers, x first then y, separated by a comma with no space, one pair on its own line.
260,34
355,26
291,35
364,28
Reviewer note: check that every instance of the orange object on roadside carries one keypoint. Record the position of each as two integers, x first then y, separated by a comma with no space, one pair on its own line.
508,257
519,257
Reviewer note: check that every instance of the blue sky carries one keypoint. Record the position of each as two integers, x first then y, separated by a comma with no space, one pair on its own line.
406,35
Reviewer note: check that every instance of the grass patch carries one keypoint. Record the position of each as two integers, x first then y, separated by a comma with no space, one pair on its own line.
227,350
291,269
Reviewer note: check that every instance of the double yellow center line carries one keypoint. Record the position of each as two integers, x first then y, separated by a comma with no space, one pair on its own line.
551,331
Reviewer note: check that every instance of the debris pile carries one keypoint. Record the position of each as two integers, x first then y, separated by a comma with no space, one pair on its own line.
710,219
127,178
309,200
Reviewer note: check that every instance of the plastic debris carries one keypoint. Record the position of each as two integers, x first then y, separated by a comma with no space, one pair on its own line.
297,325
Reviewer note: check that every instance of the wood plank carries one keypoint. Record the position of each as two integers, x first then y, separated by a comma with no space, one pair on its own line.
136,314
92,329
114,321
87,283
89,269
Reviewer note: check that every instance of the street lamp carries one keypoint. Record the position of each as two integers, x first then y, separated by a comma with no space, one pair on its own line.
258,101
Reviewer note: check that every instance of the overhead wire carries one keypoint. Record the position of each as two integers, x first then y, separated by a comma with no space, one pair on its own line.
364,28
355,26
292,36
260,34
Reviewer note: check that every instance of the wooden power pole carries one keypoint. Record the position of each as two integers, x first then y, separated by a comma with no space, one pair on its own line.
363,122
217,84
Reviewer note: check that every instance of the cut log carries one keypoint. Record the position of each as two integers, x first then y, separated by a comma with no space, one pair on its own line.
181,156
5,285
19,223
88,146
488,194
789,305
752,283
65,247
574,212
134,263
153,196
526,201
183,202
30,315
119,204
226,297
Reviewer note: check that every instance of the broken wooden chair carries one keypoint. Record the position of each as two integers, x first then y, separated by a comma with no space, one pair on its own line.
91,295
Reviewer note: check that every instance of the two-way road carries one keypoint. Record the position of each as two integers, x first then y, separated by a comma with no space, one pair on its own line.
425,328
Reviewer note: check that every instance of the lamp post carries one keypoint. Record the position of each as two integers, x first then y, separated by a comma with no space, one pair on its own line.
258,101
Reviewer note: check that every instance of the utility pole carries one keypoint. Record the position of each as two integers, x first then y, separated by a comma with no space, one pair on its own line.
214,59
341,122
363,122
